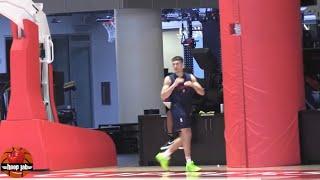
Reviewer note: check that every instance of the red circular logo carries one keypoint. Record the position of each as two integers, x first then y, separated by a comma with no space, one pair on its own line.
16,162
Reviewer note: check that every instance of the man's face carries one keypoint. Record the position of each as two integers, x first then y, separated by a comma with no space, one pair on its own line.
177,66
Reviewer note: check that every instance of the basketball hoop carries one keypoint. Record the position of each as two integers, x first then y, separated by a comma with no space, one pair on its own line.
111,29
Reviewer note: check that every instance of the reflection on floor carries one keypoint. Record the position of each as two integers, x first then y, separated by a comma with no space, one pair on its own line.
208,172
128,160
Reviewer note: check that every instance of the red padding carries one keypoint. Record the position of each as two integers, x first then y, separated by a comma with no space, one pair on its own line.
263,81
58,147
25,99
233,88
53,146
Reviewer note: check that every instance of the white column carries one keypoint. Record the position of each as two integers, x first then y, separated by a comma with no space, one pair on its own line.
139,53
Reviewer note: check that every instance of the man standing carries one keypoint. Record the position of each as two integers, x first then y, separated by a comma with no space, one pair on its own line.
179,88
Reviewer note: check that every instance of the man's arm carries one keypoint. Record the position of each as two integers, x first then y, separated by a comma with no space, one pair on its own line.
195,85
167,88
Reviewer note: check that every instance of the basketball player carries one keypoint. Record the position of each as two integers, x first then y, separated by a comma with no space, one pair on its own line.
180,87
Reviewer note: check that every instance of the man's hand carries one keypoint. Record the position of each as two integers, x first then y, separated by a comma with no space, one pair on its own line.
188,84
178,81
168,87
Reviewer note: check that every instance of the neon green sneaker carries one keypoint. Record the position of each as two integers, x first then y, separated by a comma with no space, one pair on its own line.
163,161
191,167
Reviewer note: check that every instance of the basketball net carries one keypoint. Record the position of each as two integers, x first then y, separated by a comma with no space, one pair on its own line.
111,29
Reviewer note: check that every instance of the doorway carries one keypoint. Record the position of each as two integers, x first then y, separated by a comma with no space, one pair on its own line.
72,58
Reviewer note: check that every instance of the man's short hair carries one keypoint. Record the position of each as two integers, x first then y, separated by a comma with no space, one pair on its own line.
177,58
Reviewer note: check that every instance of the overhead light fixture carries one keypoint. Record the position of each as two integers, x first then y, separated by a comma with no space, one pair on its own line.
311,17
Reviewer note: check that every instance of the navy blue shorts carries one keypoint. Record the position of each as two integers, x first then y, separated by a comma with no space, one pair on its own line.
181,117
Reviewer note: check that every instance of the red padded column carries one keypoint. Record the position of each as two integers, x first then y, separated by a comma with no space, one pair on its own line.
235,135
25,100
263,81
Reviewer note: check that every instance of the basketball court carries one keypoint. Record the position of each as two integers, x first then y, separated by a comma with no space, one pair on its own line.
208,172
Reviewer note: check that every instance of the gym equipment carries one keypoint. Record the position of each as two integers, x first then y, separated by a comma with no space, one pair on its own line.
208,63
204,58
109,25
69,86
68,115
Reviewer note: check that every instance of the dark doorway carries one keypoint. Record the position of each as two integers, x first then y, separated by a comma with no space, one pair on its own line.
72,58
8,47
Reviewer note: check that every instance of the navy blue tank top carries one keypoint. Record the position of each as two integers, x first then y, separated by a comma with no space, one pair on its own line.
182,95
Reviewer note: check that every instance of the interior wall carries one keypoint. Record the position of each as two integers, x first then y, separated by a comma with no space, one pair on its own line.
139,62
103,63
102,57
104,70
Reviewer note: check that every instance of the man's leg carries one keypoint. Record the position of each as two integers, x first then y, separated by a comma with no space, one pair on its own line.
186,136
169,131
178,143
170,124
164,157
174,146
183,123
185,140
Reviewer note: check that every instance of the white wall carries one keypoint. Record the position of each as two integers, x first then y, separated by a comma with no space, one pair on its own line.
171,47
104,69
139,62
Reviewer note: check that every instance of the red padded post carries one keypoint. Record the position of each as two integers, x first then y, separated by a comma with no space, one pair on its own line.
263,81
25,99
